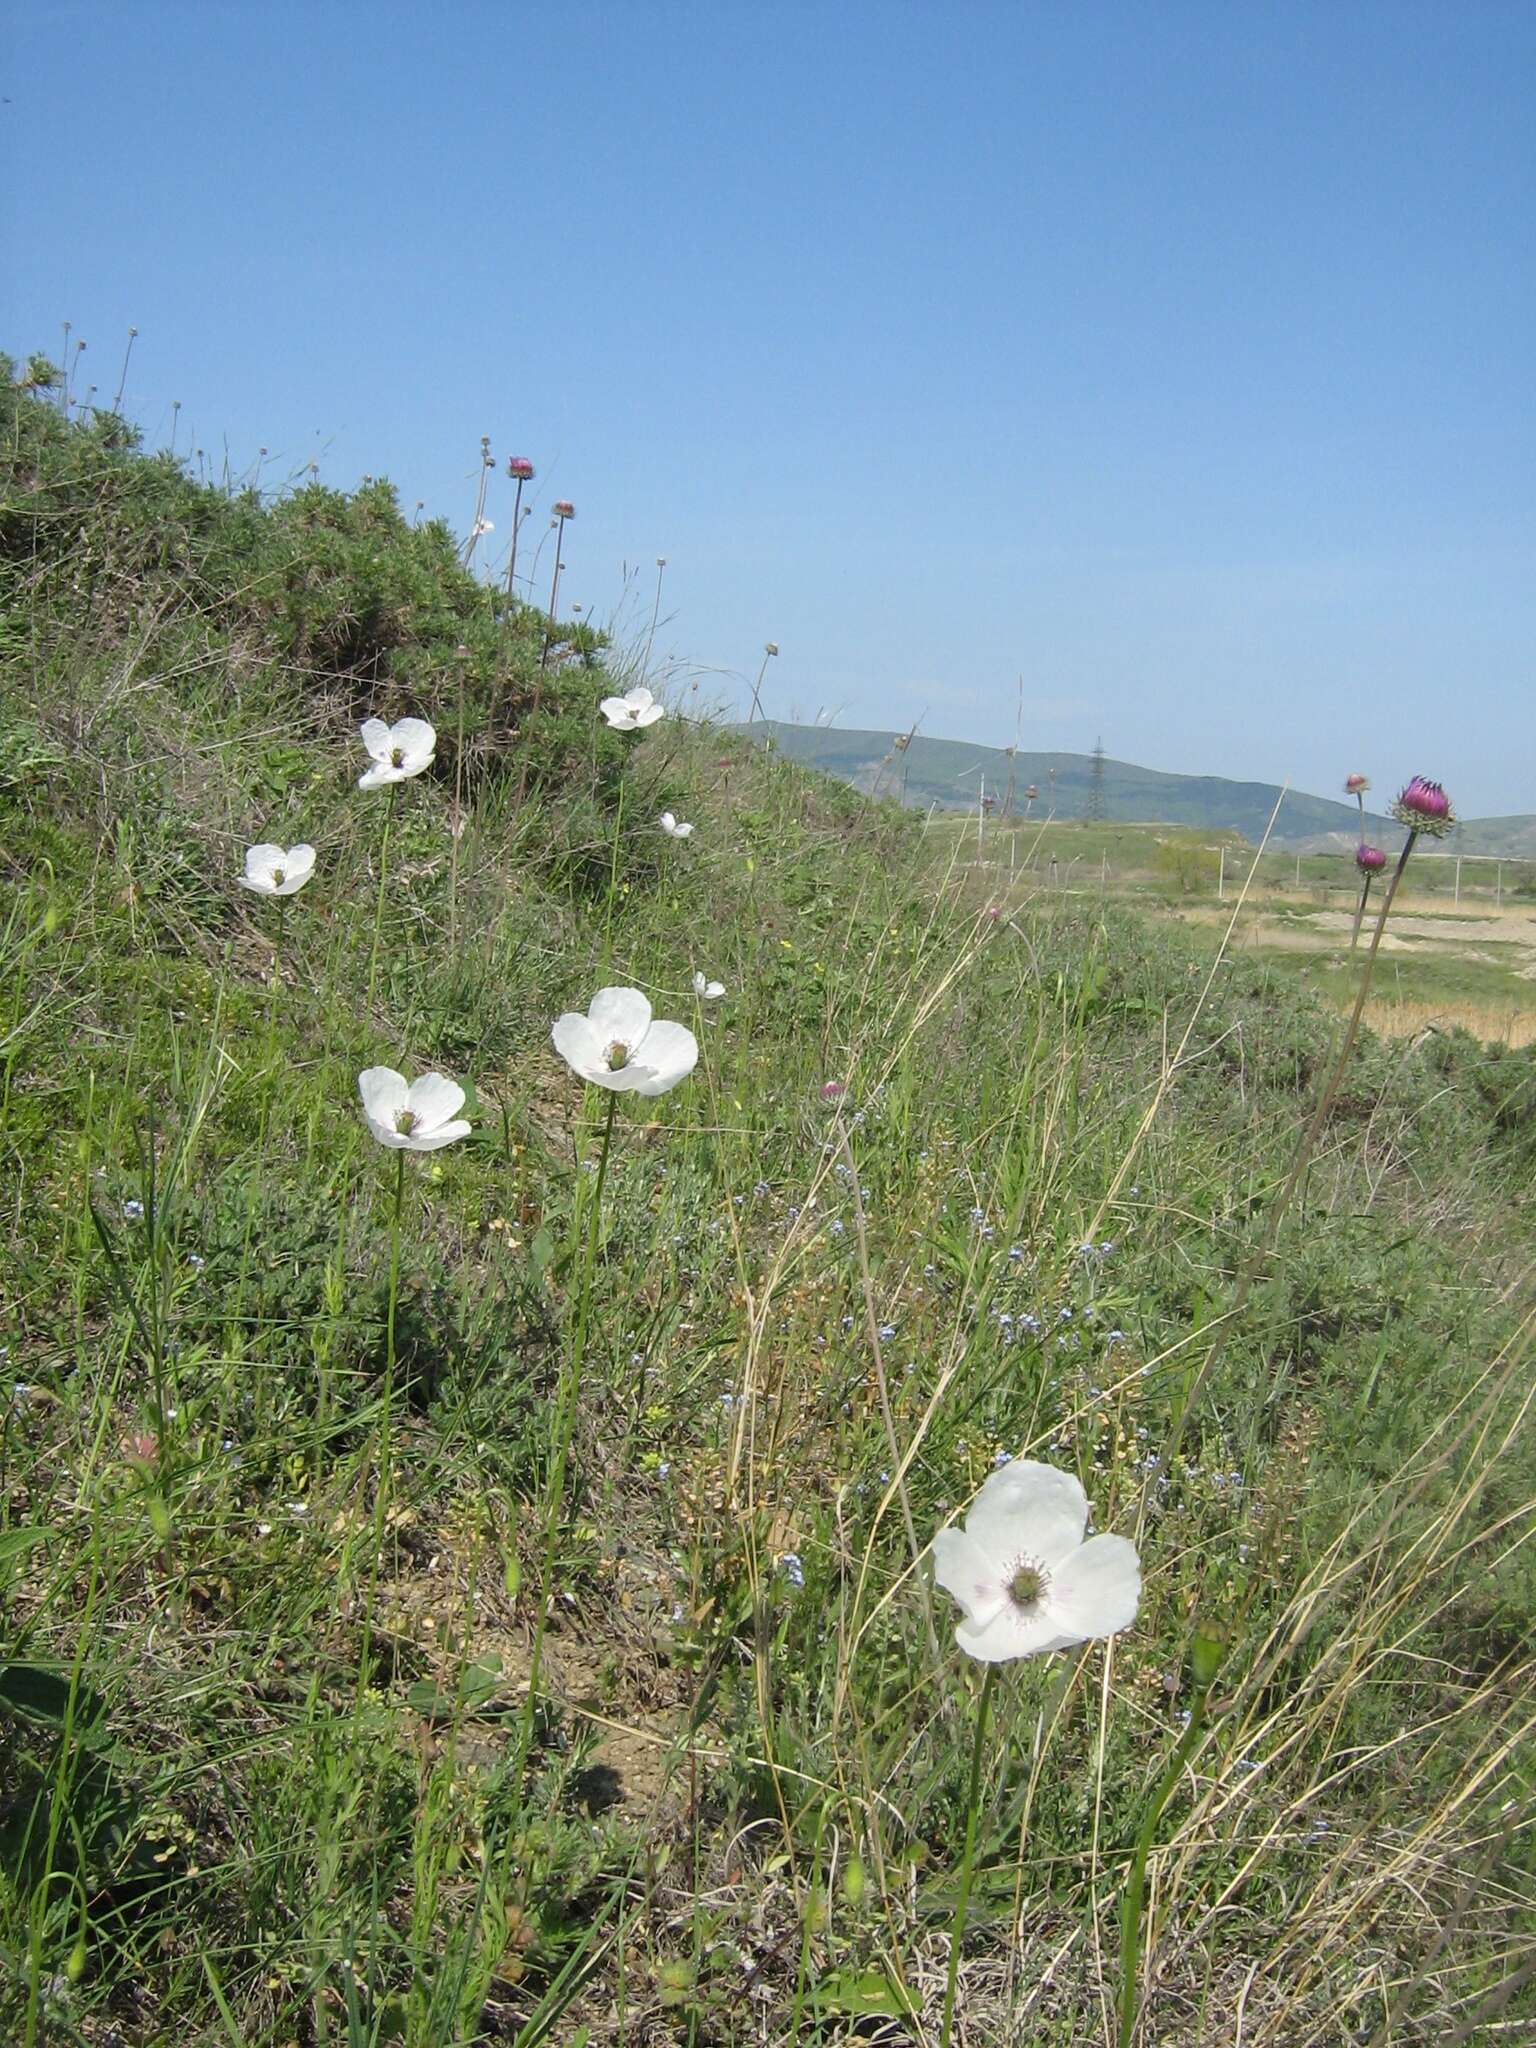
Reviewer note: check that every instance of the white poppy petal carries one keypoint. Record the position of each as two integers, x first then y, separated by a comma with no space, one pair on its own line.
668,822
684,832
385,1093
1012,1633
260,861
578,1045
963,1569
375,737
416,740
386,1134
1029,1509
298,866
435,1140
617,713
434,1099
378,775
619,1015
670,1052
649,715
1097,1590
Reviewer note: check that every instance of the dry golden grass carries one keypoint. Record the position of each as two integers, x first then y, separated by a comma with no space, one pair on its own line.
1494,1023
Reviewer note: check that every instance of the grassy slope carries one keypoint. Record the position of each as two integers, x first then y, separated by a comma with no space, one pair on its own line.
267,1768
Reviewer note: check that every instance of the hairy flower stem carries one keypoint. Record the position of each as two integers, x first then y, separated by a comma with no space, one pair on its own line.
1136,1881
613,880
378,909
394,1280
565,1427
968,1859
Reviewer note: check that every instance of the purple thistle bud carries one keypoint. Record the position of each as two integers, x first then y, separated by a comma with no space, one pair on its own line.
1369,859
1424,806
1356,785
520,467
563,509
831,1090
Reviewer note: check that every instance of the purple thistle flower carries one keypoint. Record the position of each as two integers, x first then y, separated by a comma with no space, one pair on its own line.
520,467
1356,785
1370,860
1423,806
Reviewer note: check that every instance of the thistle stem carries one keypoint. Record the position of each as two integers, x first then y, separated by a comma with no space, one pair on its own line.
968,1860
517,520
1365,890
1136,1881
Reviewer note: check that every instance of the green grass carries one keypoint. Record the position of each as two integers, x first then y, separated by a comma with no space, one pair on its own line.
271,1769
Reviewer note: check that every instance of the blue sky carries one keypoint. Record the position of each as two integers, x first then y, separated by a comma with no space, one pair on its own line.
1175,357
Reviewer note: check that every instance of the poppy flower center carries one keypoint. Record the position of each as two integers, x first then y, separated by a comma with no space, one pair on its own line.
279,876
406,1121
617,1056
1026,1588
397,757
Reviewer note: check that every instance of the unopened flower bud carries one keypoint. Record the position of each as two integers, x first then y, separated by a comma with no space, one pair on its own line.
1206,1653
1370,860
563,509
520,467
1356,785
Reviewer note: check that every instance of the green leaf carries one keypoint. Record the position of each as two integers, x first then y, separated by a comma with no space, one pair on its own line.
863,1992
14,1545
51,1696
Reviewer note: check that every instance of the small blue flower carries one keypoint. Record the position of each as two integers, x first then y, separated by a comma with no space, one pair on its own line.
792,1568
134,1211
887,1332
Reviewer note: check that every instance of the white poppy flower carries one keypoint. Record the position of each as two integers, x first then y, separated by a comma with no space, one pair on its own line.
635,709
616,1045
673,829
416,1116
399,751
274,871
1023,1574
706,991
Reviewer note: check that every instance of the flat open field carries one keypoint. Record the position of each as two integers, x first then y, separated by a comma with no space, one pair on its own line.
1443,963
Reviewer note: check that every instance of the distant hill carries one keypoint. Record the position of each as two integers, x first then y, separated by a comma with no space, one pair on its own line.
950,773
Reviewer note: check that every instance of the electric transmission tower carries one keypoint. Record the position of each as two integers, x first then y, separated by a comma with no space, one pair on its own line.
1095,809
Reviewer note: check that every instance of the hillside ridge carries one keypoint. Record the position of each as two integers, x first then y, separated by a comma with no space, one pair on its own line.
952,773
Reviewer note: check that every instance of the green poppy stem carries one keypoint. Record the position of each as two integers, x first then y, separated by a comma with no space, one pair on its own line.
613,876
565,1429
394,1275
378,910
968,1861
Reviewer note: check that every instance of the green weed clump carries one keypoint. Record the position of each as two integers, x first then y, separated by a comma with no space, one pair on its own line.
520,1627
